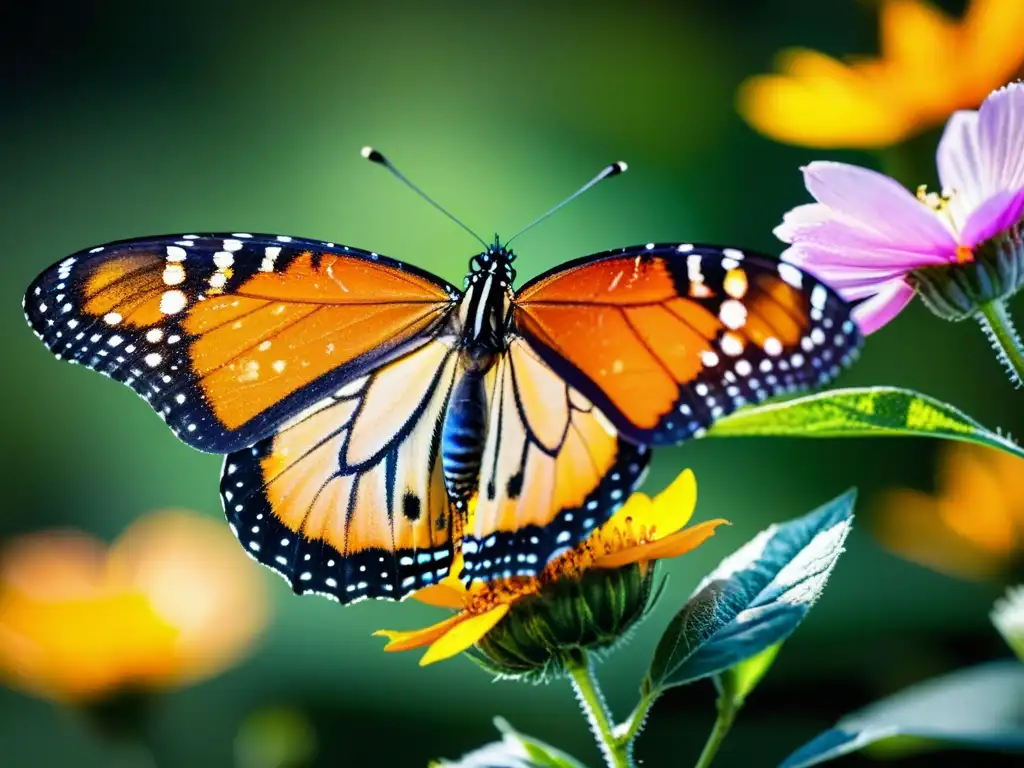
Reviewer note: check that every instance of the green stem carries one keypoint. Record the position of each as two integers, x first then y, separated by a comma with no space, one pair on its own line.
615,751
727,710
996,322
626,733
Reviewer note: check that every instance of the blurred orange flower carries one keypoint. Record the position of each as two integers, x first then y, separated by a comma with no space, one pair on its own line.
973,527
643,531
171,602
930,66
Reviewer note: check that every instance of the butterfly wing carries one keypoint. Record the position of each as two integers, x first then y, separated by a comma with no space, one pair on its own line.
665,339
553,470
225,336
347,498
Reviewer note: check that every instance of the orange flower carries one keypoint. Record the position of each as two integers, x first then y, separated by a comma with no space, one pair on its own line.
171,602
643,531
973,527
930,66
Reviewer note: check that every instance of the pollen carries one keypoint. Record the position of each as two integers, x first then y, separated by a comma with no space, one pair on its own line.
964,254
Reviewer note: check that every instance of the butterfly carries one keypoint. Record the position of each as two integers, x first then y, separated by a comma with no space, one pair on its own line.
364,405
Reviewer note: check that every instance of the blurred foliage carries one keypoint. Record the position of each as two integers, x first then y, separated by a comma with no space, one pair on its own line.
125,119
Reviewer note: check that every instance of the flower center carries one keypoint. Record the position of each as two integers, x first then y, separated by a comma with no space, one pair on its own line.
938,203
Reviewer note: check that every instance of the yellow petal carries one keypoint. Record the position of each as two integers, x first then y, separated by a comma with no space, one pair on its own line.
820,102
674,506
442,595
463,635
672,546
910,525
417,638
916,35
991,31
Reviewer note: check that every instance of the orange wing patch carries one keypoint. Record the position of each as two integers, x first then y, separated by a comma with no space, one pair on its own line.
227,335
348,498
666,339
553,470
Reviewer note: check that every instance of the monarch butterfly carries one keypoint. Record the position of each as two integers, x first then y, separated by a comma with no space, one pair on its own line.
362,402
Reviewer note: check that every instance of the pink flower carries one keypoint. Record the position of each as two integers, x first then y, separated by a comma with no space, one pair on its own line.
867,233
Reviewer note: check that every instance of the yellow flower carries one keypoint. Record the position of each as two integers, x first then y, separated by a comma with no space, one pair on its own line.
930,66
169,603
585,598
973,527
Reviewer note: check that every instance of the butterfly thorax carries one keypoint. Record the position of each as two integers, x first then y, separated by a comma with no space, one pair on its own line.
482,318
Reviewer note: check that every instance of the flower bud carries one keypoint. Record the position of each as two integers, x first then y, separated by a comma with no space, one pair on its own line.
592,611
957,291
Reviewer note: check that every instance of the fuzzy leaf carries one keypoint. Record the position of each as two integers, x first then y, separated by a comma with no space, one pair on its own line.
980,707
515,750
861,412
755,598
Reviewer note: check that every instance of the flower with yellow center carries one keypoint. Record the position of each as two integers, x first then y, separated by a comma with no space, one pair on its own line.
930,66
171,602
586,598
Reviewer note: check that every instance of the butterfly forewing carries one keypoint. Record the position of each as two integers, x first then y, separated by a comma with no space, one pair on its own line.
225,336
665,339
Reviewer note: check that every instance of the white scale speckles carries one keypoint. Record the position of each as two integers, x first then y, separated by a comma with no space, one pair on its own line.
806,344
818,336
240,234
709,358
684,247
743,367
733,314
176,253
729,264
153,359
733,253
113,341
819,296
731,344
791,274
174,273
173,338
264,346
701,389
650,246
172,302
765,365
284,238
797,360
42,306
232,245
224,259
111,318
773,346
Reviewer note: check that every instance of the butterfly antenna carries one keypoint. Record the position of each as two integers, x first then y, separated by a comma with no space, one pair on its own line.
374,156
612,170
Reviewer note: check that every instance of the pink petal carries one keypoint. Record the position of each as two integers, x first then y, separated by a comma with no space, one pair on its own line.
872,314
880,204
959,158
1001,138
995,215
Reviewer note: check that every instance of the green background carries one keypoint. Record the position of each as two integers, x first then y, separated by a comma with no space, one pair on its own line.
134,118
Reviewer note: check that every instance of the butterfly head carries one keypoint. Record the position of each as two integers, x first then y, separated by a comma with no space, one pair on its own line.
497,261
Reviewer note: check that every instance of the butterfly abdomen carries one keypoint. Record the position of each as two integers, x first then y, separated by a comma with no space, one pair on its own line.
462,436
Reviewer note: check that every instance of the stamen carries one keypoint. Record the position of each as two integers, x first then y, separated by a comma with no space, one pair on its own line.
964,254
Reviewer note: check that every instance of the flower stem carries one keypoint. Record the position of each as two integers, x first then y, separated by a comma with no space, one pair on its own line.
997,325
727,710
615,751
626,733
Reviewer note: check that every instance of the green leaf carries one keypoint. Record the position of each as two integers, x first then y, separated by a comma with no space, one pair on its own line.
753,600
515,750
978,707
739,680
862,412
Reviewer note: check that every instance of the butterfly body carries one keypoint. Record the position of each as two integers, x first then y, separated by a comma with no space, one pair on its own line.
362,403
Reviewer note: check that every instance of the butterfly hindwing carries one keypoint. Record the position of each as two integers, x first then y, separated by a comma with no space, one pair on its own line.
666,339
553,470
227,335
347,498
